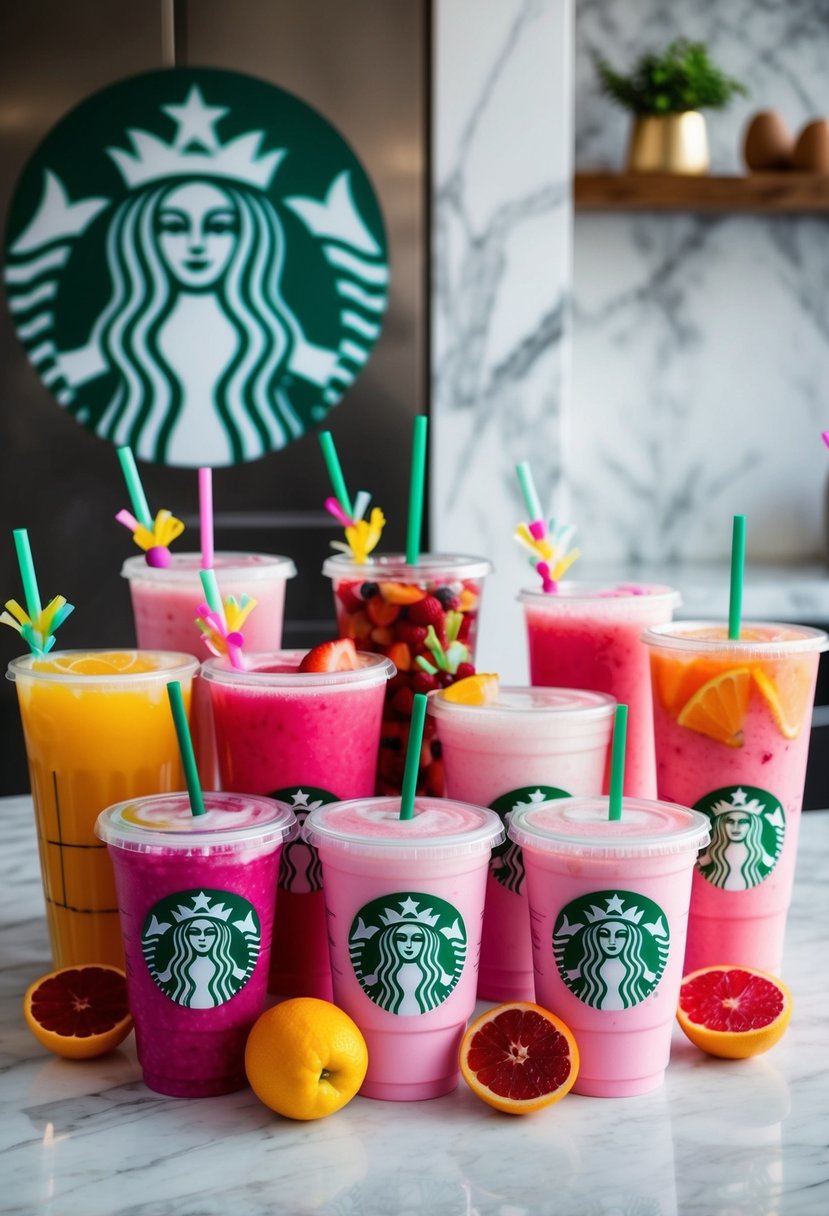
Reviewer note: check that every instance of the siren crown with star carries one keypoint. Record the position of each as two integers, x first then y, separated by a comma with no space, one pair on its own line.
409,914
739,801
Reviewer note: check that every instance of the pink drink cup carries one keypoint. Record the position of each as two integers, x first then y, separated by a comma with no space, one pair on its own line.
405,903
196,898
164,603
304,738
531,745
751,789
609,912
588,636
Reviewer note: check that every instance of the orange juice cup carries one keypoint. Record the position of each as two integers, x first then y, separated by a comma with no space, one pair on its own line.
98,730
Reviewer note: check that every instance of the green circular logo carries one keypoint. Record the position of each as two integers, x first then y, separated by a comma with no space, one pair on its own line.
611,948
201,946
408,951
748,827
196,265
506,864
300,869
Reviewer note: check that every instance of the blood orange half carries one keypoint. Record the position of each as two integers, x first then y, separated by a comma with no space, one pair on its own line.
79,1012
733,1012
519,1057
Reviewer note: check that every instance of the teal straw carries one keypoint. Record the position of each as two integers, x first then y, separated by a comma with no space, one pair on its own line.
138,499
211,591
185,744
27,572
407,794
617,762
528,491
332,463
416,486
738,558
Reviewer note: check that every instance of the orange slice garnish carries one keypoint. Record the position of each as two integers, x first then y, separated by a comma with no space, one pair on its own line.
104,663
480,689
787,690
718,709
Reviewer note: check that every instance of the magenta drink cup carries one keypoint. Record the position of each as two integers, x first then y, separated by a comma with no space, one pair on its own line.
306,738
164,603
588,636
387,605
405,902
196,898
732,723
528,746
609,912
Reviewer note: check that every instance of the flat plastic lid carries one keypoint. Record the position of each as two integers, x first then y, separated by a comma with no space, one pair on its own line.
169,664
758,639
164,822
527,703
184,567
373,669
619,599
394,567
580,827
372,827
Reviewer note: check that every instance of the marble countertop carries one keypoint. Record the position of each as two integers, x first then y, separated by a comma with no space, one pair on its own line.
720,1137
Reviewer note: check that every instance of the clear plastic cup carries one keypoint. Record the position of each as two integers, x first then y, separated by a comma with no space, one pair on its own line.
609,912
98,728
381,605
529,746
306,738
732,725
587,635
196,895
405,902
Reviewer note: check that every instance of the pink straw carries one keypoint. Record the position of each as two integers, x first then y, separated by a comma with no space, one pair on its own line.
206,517
825,437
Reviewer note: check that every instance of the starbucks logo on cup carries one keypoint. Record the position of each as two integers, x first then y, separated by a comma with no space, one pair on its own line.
408,951
748,827
300,869
201,946
506,864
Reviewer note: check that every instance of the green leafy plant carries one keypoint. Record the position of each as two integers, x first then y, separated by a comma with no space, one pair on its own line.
681,78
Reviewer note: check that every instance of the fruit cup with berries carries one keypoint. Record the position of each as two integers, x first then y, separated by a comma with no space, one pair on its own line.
424,617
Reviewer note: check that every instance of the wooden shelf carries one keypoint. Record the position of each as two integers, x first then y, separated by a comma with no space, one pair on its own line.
760,193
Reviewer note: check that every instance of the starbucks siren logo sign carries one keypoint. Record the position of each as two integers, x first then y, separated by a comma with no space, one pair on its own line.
196,265
408,951
300,869
201,947
506,864
611,948
748,826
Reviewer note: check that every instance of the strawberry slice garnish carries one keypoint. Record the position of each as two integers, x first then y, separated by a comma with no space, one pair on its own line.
337,655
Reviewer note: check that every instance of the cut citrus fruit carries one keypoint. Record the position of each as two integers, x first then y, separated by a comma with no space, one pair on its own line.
305,1058
103,663
788,693
480,689
718,709
733,1012
519,1058
79,1012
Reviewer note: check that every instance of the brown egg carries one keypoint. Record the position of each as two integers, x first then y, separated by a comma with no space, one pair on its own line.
811,152
768,143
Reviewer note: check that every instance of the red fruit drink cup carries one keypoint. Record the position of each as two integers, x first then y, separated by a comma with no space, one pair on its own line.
588,636
196,898
306,738
388,606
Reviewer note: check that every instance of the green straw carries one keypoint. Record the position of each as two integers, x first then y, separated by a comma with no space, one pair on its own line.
738,558
138,499
407,795
211,592
617,762
528,491
185,744
332,462
27,572
416,486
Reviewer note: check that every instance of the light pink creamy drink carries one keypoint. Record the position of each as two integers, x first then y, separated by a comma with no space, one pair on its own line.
529,746
732,723
164,603
588,636
196,896
609,912
405,902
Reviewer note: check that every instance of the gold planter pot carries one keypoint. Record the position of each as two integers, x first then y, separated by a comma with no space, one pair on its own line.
670,143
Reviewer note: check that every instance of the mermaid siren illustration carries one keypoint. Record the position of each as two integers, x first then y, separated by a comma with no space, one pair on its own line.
746,841
193,355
